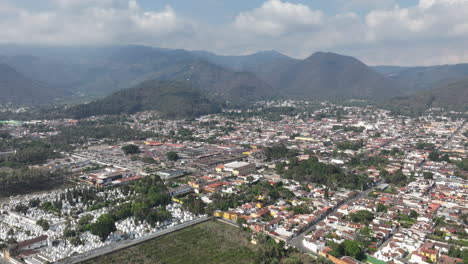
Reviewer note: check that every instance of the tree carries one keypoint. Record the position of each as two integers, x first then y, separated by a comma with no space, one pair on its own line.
130,149
362,216
172,156
43,223
349,248
413,214
428,175
398,178
104,226
381,208
434,156
241,221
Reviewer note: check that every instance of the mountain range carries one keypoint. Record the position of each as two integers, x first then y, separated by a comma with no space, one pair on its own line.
236,80
172,99
453,97
415,79
19,89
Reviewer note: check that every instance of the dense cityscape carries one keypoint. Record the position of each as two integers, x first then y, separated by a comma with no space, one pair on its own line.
329,182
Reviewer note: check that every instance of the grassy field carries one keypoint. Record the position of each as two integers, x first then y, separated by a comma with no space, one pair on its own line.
208,243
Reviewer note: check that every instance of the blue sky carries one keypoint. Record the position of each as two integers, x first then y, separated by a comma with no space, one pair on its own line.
392,32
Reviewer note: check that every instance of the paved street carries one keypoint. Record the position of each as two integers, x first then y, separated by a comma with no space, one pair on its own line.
297,241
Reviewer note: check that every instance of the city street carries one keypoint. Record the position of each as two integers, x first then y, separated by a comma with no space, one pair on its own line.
296,242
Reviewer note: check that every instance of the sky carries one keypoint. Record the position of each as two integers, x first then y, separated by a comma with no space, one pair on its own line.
379,32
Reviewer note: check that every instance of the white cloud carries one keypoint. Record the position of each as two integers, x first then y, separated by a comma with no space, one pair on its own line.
275,18
429,20
430,32
366,4
91,22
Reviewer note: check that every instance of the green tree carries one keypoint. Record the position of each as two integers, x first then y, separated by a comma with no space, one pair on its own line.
130,149
381,208
428,175
172,156
103,227
43,223
413,214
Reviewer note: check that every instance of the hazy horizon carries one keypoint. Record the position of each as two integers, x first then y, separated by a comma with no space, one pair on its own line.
384,32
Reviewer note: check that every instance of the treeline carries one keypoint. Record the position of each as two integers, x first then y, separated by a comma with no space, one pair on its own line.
171,99
97,130
24,180
398,178
363,160
260,191
351,145
27,152
313,171
278,152
349,128
145,201
270,113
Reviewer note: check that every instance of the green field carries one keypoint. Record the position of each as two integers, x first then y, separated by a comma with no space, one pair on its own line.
208,242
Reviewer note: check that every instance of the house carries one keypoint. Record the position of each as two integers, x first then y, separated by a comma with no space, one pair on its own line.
180,190
30,245
444,259
239,168
314,245
169,174
34,243
430,253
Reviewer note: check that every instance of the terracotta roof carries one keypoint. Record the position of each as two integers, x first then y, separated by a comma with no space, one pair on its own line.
32,241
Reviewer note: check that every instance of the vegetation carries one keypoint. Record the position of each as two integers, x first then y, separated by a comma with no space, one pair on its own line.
435,156
43,223
209,243
362,216
313,171
24,180
463,165
277,152
16,175
456,252
349,128
392,152
351,145
258,192
170,98
426,146
130,149
451,97
350,248
172,156
103,227
363,160
398,178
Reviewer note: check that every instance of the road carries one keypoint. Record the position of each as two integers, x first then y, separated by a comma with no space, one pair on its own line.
458,130
453,134
296,242
127,243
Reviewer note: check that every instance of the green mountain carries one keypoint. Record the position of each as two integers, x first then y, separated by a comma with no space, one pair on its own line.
172,99
103,70
243,62
15,88
453,97
415,79
328,76
219,83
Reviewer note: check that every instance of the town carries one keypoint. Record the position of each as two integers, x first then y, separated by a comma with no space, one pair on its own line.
350,183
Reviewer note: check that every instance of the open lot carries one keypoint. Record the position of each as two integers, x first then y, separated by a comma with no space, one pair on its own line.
209,242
